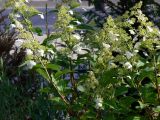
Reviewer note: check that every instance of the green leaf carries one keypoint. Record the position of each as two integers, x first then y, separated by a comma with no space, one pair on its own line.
53,67
43,73
134,118
58,103
148,94
81,88
109,77
85,27
63,72
51,37
157,109
110,103
126,101
140,64
74,4
37,30
121,90
45,90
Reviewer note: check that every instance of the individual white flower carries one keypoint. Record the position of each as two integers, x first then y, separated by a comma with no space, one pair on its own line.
29,52
144,38
50,54
84,9
95,49
128,55
136,51
145,54
140,12
80,1
158,46
12,26
130,21
135,38
70,12
80,49
128,65
129,77
114,36
30,64
149,29
19,25
78,23
73,56
112,64
106,46
71,26
27,1
51,51
41,16
137,45
99,103
60,48
82,32
17,15
17,4
18,43
132,32
77,36
11,52
84,18
40,53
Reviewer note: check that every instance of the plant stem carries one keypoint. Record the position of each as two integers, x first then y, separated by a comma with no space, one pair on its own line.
73,82
155,73
54,85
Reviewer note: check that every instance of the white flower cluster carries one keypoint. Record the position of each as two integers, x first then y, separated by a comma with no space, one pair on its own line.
99,103
16,46
39,52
